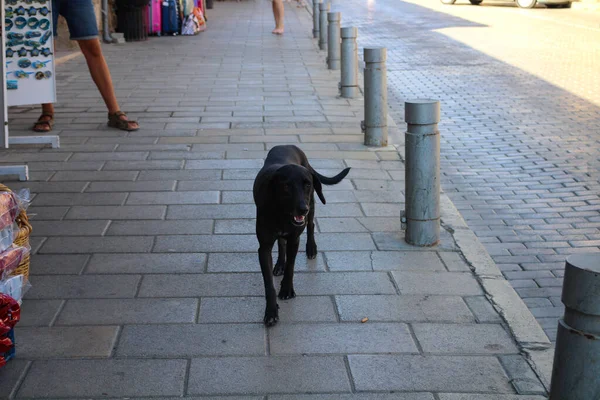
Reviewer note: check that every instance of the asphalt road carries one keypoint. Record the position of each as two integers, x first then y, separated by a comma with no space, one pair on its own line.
520,93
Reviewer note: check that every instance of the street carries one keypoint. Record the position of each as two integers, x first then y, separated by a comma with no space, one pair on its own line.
520,95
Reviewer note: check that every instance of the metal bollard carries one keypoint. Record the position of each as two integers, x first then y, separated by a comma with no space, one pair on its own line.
316,21
349,83
576,370
375,124
422,174
334,51
323,10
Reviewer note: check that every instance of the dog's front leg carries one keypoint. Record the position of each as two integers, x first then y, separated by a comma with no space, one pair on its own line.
280,265
266,266
287,284
311,245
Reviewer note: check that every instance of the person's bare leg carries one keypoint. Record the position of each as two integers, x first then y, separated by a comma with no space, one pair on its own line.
278,14
92,51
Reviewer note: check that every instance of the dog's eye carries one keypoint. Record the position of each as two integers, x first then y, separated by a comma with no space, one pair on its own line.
307,185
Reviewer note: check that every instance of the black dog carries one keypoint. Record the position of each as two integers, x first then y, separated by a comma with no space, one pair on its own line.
284,197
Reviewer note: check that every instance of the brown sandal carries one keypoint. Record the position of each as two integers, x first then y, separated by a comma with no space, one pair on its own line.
42,125
115,121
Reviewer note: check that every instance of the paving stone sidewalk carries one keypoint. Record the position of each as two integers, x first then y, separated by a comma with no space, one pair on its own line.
145,276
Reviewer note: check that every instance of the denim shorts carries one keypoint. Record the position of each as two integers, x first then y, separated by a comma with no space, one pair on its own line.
80,17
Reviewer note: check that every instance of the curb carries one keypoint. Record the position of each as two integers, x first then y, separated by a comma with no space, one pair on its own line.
528,334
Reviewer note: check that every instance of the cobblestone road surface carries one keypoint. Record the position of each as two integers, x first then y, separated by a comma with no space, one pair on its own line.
520,98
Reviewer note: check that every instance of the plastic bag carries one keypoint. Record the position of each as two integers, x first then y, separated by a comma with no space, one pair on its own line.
10,260
6,237
10,206
200,17
15,287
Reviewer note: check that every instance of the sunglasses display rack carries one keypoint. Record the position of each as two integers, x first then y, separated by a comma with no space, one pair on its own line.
27,68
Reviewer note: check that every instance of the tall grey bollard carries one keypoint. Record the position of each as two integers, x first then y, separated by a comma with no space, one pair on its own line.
576,371
333,36
349,83
375,124
316,21
323,10
422,174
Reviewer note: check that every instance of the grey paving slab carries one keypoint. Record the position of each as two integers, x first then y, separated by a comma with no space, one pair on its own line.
395,241
98,378
406,261
331,225
223,164
202,285
233,226
127,311
70,199
68,264
349,260
483,309
84,245
464,339
46,213
233,375
206,243
39,312
160,227
145,198
187,340
138,186
315,284
404,308
146,263
10,376
95,176
181,175
428,373
212,211
248,262
356,396
245,184
251,309
70,228
116,212
81,287
523,377
483,396
358,338
66,342
441,283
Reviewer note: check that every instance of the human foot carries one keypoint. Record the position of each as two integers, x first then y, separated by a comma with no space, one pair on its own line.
119,120
278,31
44,123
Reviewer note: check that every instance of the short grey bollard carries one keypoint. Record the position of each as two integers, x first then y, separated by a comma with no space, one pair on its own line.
333,36
576,371
349,83
422,173
375,124
316,20
323,10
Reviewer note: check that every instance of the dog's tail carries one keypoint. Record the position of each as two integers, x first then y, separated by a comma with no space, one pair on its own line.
333,180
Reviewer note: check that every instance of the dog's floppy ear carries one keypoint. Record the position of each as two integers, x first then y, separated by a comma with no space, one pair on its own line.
265,185
318,187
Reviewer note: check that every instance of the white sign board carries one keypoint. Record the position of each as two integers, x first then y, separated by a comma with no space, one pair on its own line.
28,52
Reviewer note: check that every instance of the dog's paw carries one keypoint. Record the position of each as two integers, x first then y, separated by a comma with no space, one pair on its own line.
271,316
279,268
286,293
311,250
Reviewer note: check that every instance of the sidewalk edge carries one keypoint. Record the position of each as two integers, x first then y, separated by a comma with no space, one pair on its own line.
525,329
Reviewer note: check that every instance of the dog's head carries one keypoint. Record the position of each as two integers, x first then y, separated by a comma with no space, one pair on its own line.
291,189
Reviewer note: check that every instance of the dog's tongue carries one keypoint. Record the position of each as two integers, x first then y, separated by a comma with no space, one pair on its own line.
299,218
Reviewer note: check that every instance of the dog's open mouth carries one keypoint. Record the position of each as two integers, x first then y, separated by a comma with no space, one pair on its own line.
299,220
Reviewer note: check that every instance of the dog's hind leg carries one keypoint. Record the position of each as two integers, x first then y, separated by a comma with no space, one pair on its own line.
311,245
266,266
280,265
287,284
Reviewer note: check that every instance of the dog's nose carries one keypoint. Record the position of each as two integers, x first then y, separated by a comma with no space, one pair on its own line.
303,210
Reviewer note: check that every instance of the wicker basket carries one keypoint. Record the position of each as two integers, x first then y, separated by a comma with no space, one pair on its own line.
21,238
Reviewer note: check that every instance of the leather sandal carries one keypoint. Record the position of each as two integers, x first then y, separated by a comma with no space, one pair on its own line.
44,125
115,121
